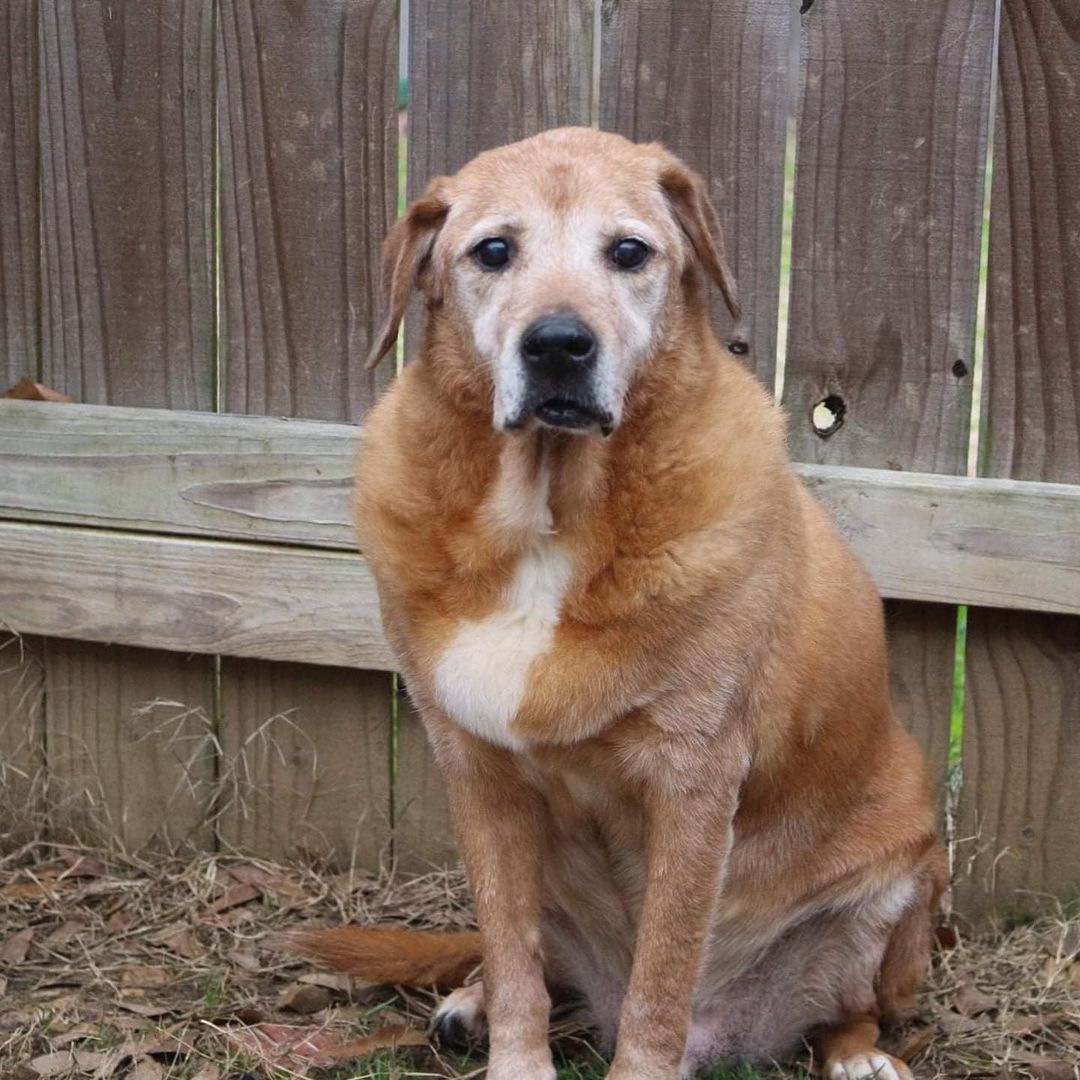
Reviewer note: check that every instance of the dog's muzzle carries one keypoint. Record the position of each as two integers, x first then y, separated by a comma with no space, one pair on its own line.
559,354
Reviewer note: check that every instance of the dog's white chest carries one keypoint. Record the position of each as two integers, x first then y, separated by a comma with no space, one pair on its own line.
481,677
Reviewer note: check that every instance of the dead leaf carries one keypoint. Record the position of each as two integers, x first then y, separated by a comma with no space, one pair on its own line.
3,985
285,1045
250,874
28,390
1062,942
971,1001
305,999
15,948
137,1004
64,933
146,1069
179,939
332,980
389,1037
245,1014
246,960
83,866
915,1042
145,976
1043,1068
952,1024
234,896
1026,1025
947,937
207,1072
61,1062
27,890
1074,974
118,922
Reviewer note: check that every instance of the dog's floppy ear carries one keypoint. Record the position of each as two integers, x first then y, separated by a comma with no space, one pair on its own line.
686,192
405,255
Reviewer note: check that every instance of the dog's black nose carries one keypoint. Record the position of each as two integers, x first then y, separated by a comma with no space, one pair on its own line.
559,343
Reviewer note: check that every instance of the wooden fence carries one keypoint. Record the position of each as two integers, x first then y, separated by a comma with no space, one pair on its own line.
192,195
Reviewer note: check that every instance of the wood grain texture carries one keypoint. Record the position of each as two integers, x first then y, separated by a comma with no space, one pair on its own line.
127,148
893,124
1021,794
272,602
953,539
130,744
19,262
888,200
423,831
22,739
493,72
305,763
127,190
711,82
308,115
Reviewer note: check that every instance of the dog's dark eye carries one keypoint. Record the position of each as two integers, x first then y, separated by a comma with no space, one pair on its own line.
629,253
492,253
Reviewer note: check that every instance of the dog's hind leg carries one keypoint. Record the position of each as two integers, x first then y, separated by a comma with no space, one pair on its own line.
461,1019
848,1049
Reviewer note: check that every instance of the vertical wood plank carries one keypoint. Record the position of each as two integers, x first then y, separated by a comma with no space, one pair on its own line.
18,193
130,743
1021,794
127,188
22,747
888,194
308,113
306,765
126,131
489,73
711,82
480,75
308,118
888,204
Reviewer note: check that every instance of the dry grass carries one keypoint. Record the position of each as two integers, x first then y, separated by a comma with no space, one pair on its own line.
162,966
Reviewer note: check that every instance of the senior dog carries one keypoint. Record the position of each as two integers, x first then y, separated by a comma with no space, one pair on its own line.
651,671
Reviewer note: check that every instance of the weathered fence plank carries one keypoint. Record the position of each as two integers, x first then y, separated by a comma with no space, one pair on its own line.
202,596
1021,794
127,150
19,262
22,746
891,151
308,115
923,536
479,75
711,82
306,769
130,741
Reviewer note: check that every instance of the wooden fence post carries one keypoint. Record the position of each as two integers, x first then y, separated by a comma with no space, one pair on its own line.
1020,807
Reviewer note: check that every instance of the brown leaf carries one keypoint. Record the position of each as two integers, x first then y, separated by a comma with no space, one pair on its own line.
234,896
245,1014
207,1072
28,390
27,890
915,1042
144,976
146,1069
64,933
285,1045
250,874
246,960
389,1037
971,1001
62,1062
952,1024
1074,974
15,948
305,999
1063,941
179,939
946,937
83,866
1044,1068
141,1007
331,980
119,921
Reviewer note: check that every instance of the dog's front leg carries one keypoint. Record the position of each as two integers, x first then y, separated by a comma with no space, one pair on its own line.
689,836
497,817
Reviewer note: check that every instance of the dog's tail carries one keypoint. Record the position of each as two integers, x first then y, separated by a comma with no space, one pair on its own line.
387,955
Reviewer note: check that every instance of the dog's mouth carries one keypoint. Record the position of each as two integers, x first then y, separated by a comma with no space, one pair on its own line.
572,415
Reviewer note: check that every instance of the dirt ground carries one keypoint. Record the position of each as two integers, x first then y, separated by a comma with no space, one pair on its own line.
154,967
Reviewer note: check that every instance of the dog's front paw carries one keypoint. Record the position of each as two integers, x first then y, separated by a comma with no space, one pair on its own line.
460,1019
870,1066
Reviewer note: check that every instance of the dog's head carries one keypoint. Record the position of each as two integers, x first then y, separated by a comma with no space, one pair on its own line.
557,261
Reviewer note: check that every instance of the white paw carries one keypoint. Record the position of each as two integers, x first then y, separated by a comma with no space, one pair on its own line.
460,1020
869,1067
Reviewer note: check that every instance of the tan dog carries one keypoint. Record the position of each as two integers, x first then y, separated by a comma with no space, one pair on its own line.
652,673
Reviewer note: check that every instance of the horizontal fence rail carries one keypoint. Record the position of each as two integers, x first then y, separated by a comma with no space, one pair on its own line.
232,534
